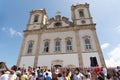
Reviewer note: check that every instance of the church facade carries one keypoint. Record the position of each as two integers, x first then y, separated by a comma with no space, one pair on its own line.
60,42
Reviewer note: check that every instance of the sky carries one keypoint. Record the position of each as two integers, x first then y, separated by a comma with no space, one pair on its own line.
14,16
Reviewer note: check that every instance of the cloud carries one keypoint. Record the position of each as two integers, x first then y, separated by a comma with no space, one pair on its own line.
3,28
105,45
114,57
12,32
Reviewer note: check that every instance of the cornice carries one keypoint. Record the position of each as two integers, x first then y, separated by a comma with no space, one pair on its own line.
61,29
73,7
35,23
90,51
83,18
57,53
38,11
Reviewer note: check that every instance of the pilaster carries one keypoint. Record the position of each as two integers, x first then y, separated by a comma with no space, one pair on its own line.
78,48
99,49
37,50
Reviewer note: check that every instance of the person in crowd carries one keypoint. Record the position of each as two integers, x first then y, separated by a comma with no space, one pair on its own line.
32,77
40,74
108,76
29,70
101,76
62,73
57,71
47,77
7,74
117,69
60,77
78,75
104,71
98,69
4,75
49,73
116,74
18,73
68,76
24,75
54,76
88,75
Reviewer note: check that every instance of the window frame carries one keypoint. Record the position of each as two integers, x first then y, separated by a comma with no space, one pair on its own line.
81,13
93,61
87,43
69,48
58,39
36,18
88,46
30,46
48,46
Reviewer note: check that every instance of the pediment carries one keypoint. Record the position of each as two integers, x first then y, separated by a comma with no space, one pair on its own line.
58,21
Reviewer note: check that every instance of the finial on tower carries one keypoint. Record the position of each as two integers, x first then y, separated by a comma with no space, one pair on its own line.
58,13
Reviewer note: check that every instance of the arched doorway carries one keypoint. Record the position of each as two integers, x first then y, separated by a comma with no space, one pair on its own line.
57,66
57,63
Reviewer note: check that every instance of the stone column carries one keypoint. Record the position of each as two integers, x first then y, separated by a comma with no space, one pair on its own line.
37,50
79,48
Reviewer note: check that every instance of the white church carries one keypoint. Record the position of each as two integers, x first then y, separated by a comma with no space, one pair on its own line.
59,42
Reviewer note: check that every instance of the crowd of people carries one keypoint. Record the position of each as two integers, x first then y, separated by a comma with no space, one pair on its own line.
59,73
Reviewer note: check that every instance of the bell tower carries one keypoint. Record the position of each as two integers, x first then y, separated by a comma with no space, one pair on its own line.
37,19
88,43
81,14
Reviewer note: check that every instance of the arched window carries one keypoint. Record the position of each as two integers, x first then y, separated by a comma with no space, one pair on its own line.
57,45
87,43
30,47
81,13
69,45
46,46
36,18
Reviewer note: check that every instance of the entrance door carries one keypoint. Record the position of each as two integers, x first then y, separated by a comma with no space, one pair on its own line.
57,66
57,63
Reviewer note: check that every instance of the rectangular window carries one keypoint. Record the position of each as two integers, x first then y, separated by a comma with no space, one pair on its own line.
46,46
88,46
57,45
30,46
36,18
57,48
81,13
29,50
87,43
69,47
